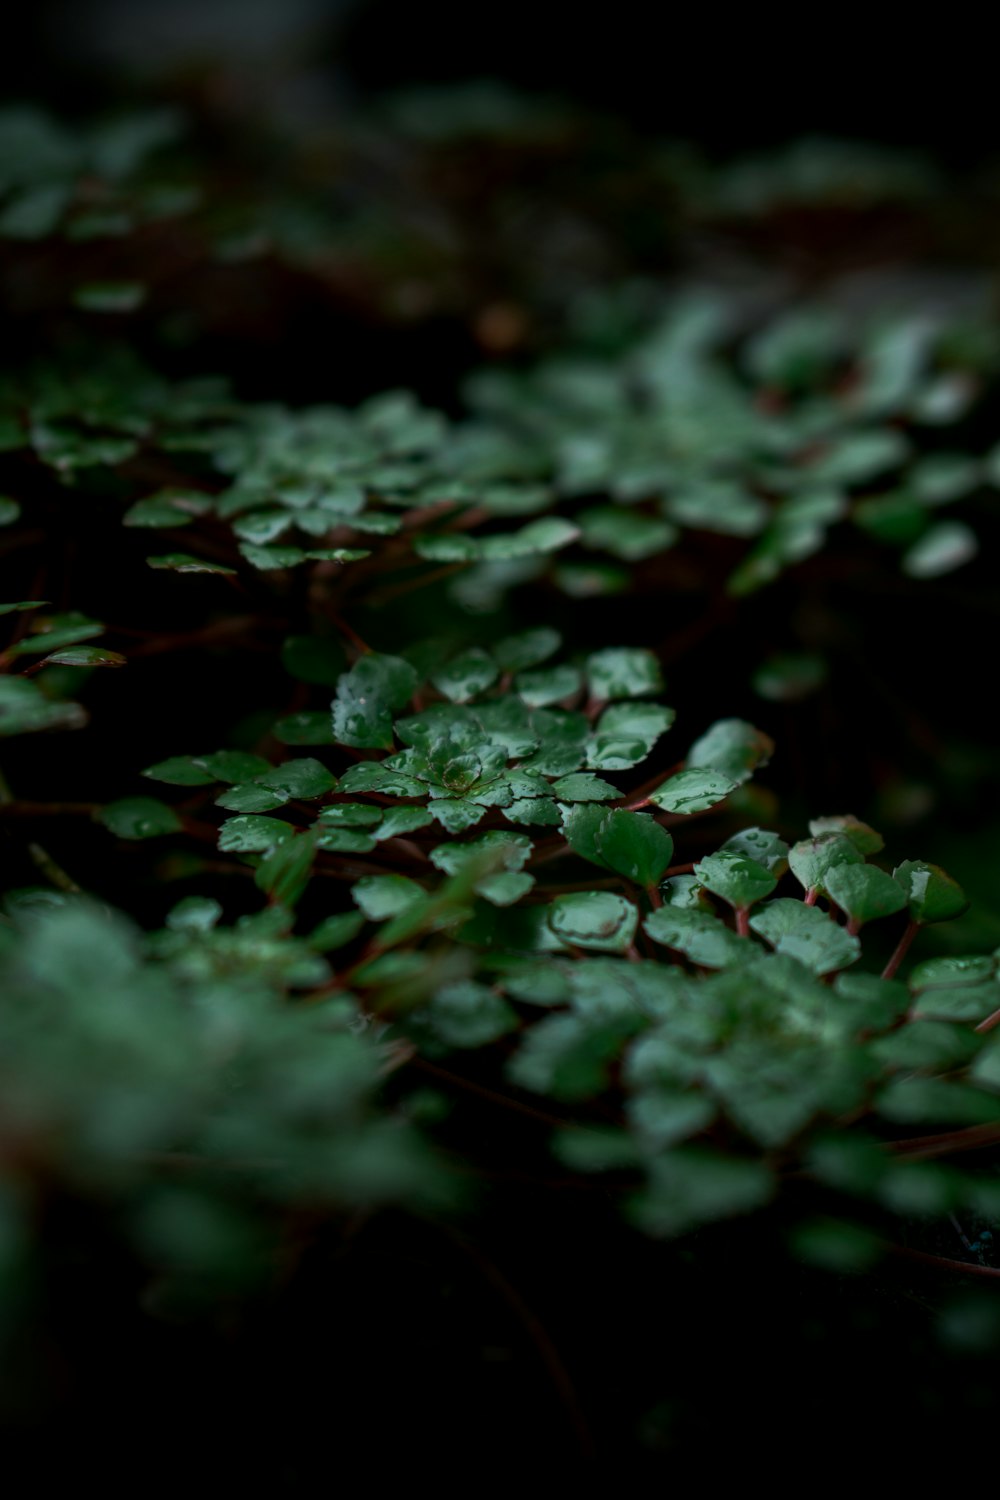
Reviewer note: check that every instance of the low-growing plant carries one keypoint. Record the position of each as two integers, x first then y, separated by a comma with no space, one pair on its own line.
383,816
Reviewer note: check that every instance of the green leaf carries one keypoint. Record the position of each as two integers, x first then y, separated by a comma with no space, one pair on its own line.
139,818
377,776
350,815
185,562
84,656
625,735
692,791
864,839
181,770
963,1003
234,765
306,728
547,534
602,1148
53,632
551,685
533,811
790,676
952,972
383,896
700,935
580,786
694,1185
565,1057
397,822
931,894
858,457
195,914
836,1245
863,892
761,845
505,889
9,510
735,877
251,799
465,676
596,920
454,816
467,1014
622,672
630,535
446,547
733,747
368,696
498,850
634,845
812,859
515,653
284,872
22,605
807,934
946,546
272,559
581,825
335,932
110,296
252,835
314,659
346,840
167,508
303,778
940,478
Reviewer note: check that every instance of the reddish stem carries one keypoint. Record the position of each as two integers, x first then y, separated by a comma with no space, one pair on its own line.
811,895
943,1262
743,921
901,950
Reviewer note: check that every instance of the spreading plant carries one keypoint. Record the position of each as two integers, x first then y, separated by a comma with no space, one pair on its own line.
388,810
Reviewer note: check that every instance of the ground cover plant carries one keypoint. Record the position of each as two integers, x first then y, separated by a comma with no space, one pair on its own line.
482,953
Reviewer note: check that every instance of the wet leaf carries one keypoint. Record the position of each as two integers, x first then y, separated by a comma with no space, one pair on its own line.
139,818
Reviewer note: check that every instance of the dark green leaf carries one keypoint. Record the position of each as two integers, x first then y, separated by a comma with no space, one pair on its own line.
806,933
625,735
699,935
283,873
594,920
139,818
84,656
383,896
368,696
252,835
634,845
184,562
465,676
761,845
864,839
550,685
692,791
622,672
738,879
931,894
517,652
732,747
863,892
181,770
812,859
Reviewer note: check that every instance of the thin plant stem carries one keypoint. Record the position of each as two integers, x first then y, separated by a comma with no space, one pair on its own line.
900,951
